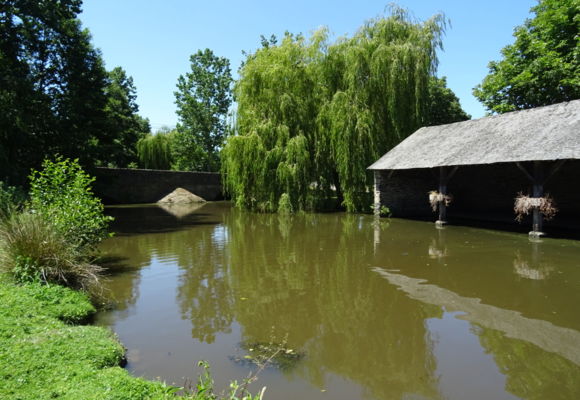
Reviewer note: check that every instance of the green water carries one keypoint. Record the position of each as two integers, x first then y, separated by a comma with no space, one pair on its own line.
389,310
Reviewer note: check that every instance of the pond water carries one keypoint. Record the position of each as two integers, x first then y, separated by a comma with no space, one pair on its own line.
390,310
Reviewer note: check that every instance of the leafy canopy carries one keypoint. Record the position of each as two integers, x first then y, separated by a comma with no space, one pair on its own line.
55,95
542,66
155,151
443,106
203,98
124,122
312,116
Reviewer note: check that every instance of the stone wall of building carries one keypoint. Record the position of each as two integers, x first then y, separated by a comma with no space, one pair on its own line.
482,192
136,186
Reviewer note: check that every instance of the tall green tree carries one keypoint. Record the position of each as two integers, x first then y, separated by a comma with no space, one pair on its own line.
203,98
443,106
542,66
155,151
124,123
51,86
312,116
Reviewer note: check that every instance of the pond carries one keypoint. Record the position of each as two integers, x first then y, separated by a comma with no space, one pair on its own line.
363,309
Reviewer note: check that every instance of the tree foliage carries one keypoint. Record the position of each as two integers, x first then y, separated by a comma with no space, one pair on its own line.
443,106
312,116
542,66
55,94
203,98
124,122
155,151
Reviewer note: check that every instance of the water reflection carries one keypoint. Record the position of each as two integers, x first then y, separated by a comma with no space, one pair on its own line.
543,334
203,292
326,283
181,210
533,266
311,288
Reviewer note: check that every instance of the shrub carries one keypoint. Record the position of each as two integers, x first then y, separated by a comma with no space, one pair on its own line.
61,192
32,248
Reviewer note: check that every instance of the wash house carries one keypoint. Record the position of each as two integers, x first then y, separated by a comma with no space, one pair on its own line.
522,165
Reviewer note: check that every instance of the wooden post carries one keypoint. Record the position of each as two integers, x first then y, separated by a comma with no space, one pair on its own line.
443,178
537,191
443,191
377,193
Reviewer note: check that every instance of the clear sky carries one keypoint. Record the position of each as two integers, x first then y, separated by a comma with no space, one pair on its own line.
153,39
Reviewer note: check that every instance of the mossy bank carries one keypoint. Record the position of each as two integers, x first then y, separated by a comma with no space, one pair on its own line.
45,353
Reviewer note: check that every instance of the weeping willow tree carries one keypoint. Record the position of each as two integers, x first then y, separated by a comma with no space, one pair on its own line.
312,115
278,97
154,151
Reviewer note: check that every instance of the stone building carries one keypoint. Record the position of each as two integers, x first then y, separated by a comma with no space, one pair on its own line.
475,169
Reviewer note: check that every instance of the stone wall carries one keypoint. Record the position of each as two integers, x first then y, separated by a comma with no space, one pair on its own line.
482,192
135,186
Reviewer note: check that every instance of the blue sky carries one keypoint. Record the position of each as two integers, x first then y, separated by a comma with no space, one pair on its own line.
152,39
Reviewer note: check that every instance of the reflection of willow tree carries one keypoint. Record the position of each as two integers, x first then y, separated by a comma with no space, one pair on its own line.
192,244
307,277
204,294
531,372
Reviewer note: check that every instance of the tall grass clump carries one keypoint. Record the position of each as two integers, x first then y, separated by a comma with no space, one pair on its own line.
32,249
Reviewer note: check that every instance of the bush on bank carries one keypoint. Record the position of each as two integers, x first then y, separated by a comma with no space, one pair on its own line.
52,238
61,192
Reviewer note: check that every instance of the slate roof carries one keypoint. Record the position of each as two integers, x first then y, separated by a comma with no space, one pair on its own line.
538,134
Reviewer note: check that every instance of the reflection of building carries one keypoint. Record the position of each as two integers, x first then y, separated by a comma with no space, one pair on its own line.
562,341
484,163
532,267
180,210
529,270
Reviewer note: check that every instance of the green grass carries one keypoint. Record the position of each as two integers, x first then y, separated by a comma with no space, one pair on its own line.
43,356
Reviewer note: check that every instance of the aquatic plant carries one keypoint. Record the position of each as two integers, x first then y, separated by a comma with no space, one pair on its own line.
204,388
269,354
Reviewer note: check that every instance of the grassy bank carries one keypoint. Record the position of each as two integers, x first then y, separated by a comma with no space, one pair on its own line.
48,243
45,355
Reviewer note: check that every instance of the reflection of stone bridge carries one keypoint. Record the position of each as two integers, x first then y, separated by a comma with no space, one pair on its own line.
547,336
134,186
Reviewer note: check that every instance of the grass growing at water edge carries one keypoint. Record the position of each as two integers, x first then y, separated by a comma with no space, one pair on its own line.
48,243
44,357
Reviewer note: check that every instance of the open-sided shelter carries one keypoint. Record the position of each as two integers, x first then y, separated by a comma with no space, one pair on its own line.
475,169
